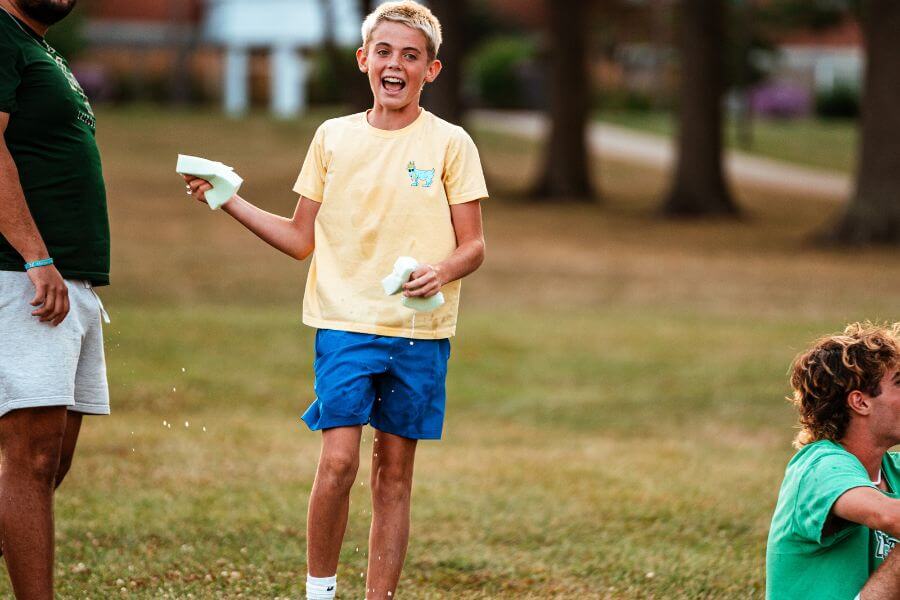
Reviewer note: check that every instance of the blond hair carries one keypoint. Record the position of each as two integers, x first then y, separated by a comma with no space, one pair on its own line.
410,13
835,365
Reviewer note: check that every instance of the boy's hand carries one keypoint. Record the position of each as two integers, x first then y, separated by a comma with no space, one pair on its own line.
425,281
197,187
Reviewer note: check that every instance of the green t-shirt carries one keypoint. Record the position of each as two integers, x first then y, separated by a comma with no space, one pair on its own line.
811,554
51,139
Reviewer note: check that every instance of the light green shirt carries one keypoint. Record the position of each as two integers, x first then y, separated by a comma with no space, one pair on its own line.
811,554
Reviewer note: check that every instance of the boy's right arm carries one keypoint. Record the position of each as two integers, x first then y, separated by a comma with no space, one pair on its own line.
871,508
295,236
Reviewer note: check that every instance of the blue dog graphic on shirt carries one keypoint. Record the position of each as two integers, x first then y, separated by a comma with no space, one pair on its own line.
418,175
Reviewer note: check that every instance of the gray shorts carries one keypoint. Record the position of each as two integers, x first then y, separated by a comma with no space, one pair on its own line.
42,365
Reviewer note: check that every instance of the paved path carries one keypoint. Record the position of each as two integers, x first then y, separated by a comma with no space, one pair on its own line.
657,151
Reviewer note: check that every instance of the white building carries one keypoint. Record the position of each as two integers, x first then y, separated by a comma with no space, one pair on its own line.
286,29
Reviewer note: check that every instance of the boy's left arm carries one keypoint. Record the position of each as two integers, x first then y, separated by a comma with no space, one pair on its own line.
427,280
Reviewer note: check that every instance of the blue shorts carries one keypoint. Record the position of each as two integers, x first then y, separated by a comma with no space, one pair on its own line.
395,384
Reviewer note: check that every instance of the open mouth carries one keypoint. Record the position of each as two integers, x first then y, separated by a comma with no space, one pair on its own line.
392,84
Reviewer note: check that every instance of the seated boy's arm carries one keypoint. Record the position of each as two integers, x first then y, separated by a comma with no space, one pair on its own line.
426,281
868,506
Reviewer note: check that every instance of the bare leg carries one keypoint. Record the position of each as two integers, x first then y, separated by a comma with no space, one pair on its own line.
31,443
884,584
329,503
70,438
392,472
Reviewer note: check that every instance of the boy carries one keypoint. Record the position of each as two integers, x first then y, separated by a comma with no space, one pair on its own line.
389,182
838,512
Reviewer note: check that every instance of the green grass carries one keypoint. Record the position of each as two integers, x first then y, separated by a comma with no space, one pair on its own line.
827,144
616,418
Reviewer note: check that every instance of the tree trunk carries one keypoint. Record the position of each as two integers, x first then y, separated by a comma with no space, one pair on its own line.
444,96
566,173
698,186
873,215
358,94
184,40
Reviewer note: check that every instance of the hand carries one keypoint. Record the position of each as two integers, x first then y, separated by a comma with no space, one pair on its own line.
197,187
50,294
425,281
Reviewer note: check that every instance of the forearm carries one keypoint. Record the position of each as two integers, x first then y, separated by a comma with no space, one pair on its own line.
465,260
884,584
16,222
279,232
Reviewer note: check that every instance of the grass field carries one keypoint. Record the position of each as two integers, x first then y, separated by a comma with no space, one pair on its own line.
616,417
827,144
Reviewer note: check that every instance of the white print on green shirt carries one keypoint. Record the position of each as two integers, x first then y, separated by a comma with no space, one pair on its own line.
883,544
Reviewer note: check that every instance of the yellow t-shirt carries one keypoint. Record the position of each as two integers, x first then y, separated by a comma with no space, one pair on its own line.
384,194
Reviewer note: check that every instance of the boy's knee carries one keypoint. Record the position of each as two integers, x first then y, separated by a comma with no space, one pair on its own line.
338,471
391,485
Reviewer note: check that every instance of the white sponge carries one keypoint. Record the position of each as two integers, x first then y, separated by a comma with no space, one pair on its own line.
225,182
393,284
423,304
403,268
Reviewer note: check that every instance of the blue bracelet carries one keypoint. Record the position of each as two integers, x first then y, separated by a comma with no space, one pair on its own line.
39,263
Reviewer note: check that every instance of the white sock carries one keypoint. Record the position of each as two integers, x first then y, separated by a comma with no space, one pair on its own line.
320,588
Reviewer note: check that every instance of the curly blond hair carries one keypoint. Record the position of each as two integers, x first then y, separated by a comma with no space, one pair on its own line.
411,14
834,366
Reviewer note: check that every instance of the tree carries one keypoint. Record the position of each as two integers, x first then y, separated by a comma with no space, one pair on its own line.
444,96
698,186
873,215
185,37
566,173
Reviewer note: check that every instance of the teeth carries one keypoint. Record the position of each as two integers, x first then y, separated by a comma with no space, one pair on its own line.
393,80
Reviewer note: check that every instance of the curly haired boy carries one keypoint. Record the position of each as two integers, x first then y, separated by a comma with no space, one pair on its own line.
838,512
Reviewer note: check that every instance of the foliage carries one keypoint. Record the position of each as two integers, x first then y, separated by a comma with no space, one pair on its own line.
67,36
814,14
749,46
325,83
496,71
840,102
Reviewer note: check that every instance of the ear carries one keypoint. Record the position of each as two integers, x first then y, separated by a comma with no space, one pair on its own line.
362,59
433,70
859,403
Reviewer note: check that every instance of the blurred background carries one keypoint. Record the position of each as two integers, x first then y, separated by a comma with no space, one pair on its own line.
684,193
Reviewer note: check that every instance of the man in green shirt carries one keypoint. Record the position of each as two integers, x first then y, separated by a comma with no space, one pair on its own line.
54,248
838,512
